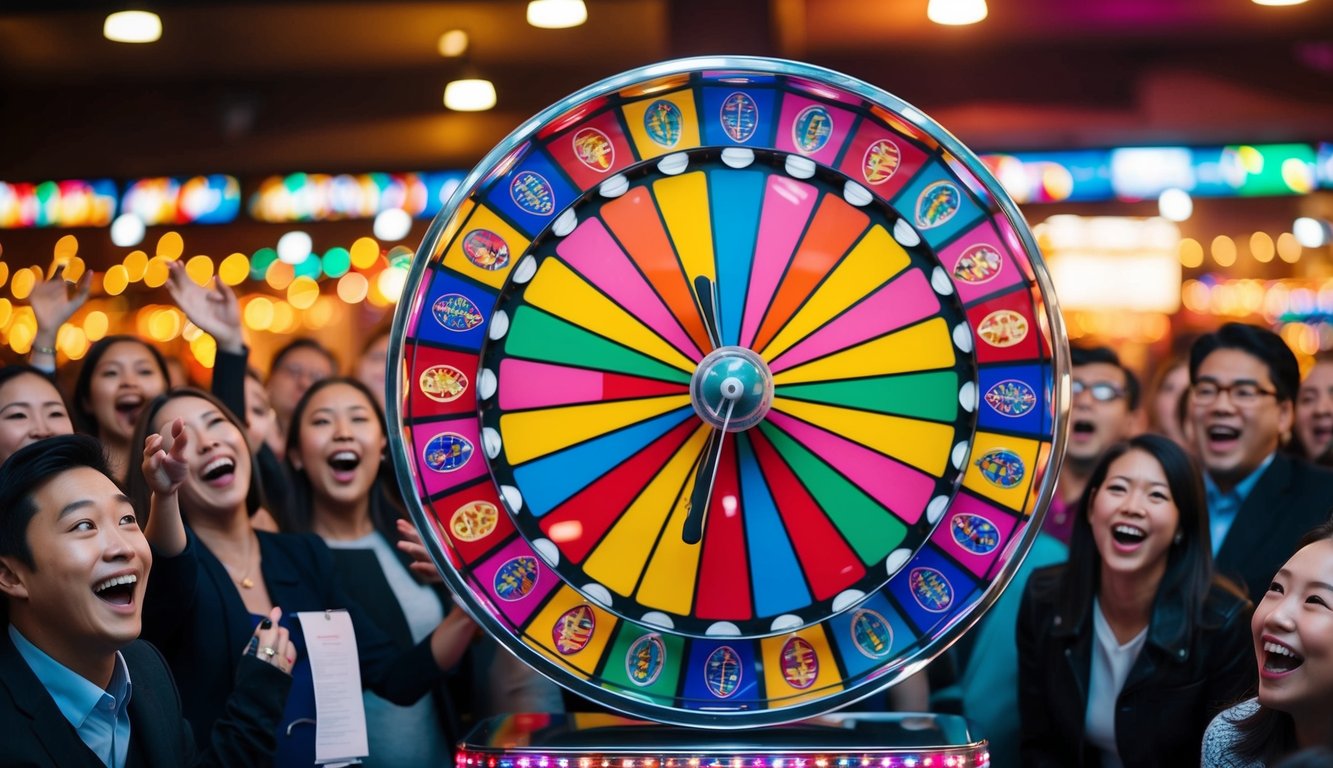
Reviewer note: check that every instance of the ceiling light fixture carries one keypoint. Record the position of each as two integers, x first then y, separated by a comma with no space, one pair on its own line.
132,27
557,14
453,44
956,12
1279,2
469,94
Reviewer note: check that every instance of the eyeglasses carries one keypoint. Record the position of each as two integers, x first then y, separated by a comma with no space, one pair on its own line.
1242,392
301,373
1100,391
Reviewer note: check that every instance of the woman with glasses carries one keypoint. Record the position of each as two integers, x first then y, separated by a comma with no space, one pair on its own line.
1128,650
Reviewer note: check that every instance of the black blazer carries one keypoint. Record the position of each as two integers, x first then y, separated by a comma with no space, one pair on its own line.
1291,497
194,613
1175,687
37,734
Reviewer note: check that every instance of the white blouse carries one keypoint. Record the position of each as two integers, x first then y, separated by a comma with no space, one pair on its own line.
1111,663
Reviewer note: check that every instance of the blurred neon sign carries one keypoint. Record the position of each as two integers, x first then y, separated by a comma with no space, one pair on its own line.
327,197
70,203
214,199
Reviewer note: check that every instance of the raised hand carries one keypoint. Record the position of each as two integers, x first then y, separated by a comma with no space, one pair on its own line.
271,643
214,310
412,546
165,468
53,304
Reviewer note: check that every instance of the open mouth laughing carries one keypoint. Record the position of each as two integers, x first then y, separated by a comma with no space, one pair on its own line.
344,465
1279,659
117,590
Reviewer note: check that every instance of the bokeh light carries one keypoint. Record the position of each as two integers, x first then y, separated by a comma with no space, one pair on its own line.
4,274
65,248
165,324
258,313
1262,247
200,269
280,275
352,287
234,269
337,261
6,312
294,247
116,280
170,246
96,324
1224,251
1191,253
365,252
302,292
1288,248
127,230
390,283
155,274
22,284
136,262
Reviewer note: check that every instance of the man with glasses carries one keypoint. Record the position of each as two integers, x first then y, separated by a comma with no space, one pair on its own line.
1105,411
295,367
1243,380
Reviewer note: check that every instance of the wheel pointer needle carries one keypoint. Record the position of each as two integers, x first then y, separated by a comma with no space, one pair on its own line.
705,292
702,495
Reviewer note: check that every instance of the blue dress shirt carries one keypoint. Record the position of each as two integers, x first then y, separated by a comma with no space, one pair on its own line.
101,718
1223,507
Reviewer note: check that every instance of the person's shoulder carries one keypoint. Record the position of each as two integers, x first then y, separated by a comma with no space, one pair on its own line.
1222,734
1044,583
1309,475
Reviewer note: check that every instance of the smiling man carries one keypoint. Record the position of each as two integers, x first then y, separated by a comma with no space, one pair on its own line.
77,687
1243,380
1105,411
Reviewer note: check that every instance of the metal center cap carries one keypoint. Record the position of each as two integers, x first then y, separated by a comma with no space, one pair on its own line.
732,375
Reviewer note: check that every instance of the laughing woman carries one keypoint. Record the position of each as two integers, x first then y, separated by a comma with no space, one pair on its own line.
1128,650
118,378
344,493
1292,634
215,577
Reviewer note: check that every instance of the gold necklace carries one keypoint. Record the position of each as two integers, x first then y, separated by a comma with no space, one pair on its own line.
244,580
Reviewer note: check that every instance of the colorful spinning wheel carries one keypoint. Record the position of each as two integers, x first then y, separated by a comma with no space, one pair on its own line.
731,391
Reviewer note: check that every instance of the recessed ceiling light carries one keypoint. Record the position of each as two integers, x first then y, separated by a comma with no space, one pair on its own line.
469,95
557,14
132,27
956,12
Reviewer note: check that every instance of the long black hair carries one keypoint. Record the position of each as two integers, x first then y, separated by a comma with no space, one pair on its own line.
1268,734
84,420
1189,563
385,503
136,485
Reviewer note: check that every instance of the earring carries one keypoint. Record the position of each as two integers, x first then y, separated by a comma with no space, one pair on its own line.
1180,536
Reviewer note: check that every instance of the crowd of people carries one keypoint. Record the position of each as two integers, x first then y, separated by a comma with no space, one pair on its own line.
1177,606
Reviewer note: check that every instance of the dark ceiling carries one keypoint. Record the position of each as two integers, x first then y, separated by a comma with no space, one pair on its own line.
253,88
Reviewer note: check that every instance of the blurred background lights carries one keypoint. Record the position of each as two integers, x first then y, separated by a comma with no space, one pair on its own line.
453,44
1310,232
1175,204
365,252
390,283
127,230
1224,251
132,27
1279,2
294,247
469,95
1288,248
170,246
1191,253
1262,247
956,12
352,288
392,224
557,14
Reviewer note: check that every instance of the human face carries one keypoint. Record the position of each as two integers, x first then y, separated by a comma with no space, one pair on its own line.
299,369
1314,410
1293,634
30,409
1166,400
1133,516
1233,440
82,597
217,457
258,412
125,379
370,369
340,446
1096,424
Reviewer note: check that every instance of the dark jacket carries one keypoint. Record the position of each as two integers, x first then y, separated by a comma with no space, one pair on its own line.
37,734
1291,497
1174,688
195,614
